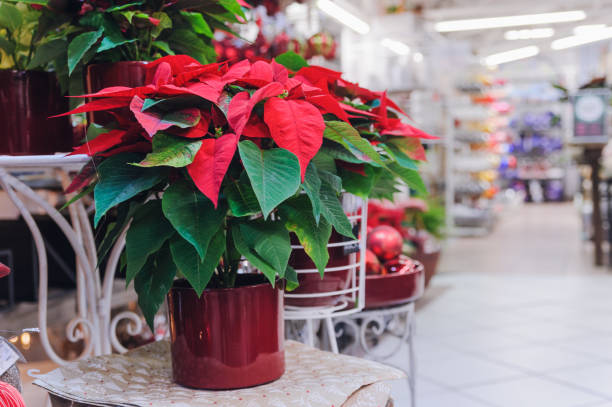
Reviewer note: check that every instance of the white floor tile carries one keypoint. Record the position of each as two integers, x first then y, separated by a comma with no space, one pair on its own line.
531,392
448,399
596,378
485,342
540,358
465,370
597,346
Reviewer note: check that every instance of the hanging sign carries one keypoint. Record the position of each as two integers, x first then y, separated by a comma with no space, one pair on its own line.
591,115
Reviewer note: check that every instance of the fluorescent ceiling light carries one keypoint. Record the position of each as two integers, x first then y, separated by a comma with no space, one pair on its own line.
417,57
346,18
396,46
510,21
528,34
577,40
512,55
588,28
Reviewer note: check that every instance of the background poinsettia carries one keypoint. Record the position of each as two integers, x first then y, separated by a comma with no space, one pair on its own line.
215,162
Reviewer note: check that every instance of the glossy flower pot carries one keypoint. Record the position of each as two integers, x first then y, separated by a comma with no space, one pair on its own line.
100,76
228,338
405,285
27,99
430,262
311,283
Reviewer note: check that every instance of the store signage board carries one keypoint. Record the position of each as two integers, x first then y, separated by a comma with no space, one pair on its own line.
591,107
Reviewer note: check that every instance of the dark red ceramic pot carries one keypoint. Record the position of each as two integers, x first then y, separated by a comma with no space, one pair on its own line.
430,262
123,73
228,338
405,285
312,283
27,99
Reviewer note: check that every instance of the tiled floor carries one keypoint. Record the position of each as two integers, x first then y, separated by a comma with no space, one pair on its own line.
517,319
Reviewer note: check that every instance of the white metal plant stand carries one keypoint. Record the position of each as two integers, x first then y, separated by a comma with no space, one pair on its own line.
371,330
351,297
93,322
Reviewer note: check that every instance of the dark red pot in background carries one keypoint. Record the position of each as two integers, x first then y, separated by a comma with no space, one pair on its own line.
312,283
123,73
384,290
228,338
27,99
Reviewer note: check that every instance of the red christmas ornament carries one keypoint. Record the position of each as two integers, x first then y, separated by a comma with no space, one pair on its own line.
386,242
402,264
372,263
4,270
9,396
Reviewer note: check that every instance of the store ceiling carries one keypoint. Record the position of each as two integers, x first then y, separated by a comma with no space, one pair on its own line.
492,40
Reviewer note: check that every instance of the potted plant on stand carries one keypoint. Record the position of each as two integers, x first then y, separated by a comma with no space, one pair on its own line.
107,43
29,92
210,165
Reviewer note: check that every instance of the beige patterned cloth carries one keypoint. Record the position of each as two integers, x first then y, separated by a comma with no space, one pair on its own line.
143,378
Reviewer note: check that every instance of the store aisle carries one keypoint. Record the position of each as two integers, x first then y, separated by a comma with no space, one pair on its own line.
519,318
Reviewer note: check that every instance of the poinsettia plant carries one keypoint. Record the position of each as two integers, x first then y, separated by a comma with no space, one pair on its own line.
79,32
215,163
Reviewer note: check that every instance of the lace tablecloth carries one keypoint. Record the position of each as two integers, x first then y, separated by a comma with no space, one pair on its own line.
143,378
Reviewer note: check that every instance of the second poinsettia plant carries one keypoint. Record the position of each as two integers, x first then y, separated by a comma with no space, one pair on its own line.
213,163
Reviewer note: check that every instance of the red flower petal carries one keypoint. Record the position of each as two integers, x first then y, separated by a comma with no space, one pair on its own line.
397,128
210,164
121,91
96,105
241,106
163,75
256,128
101,143
140,147
297,126
154,21
262,71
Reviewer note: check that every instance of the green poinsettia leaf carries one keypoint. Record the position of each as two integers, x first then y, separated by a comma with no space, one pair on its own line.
233,7
79,46
197,272
411,177
198,24
153,283
346,135
241,197
332,211
192,214
171,151
291,60
163,45
248,251
123,6
187,42
334,181
400,157
125,212
47,52
312,187
271,242
10,17
120,181
297,214
292,279
148,231
358,184
274,174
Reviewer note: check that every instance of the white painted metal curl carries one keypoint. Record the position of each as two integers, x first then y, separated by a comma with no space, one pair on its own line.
134,327
94,297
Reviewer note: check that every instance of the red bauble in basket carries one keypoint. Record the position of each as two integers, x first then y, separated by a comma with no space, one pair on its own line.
386,242
10,396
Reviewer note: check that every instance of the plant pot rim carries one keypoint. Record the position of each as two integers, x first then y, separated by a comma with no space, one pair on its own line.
188,287
118,62
417,268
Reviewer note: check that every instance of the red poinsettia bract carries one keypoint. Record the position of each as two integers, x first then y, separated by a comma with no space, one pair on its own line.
221,105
